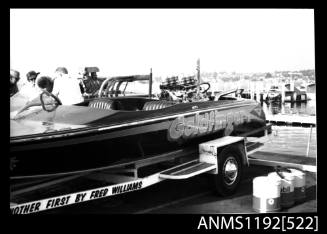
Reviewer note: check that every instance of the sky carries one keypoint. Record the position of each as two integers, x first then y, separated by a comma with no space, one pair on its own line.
131,41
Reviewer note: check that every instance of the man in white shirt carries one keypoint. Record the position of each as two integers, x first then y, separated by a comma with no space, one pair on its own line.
66,88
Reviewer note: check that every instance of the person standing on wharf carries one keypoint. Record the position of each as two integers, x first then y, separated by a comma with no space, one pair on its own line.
66,88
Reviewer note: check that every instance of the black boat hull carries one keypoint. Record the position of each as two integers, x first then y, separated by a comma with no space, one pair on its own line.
148,135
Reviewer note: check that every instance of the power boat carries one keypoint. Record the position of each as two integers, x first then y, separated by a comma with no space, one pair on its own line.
126,121
274,94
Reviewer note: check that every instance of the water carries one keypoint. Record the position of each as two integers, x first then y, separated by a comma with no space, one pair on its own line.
308,108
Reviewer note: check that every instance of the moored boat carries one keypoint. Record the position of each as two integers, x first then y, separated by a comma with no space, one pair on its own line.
274,94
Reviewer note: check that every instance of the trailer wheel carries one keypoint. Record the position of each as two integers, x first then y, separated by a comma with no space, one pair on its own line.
230,170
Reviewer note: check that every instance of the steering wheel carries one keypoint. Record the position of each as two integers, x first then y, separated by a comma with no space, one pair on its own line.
206,83
48,94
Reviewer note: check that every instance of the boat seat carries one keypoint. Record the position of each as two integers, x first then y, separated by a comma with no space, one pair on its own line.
156,105
102,104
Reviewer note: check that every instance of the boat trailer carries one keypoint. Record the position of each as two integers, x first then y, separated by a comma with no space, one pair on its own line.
214,157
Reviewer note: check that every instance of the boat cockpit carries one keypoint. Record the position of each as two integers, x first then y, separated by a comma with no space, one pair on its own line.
129,93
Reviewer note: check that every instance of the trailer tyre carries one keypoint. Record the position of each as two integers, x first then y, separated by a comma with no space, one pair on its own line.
230,170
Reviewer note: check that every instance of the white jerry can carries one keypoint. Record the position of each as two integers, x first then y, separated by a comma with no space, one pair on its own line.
266,194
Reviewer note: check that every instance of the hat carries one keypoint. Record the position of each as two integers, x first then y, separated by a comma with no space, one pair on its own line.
31,74
14,74
62,70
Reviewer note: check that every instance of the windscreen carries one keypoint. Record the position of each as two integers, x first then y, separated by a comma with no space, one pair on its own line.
138,87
